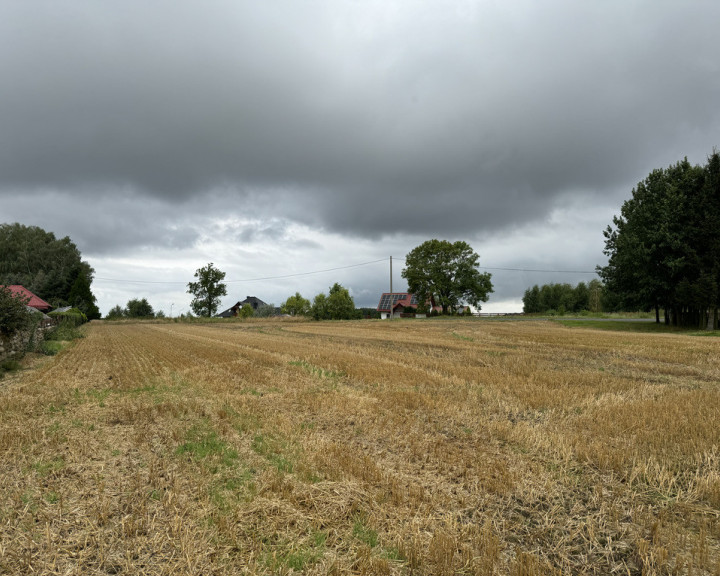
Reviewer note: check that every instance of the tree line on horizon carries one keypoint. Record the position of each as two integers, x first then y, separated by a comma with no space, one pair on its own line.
562,298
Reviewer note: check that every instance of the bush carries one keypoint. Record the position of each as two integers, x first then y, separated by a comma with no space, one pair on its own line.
50,347
74,317
64,331
9,365
14,315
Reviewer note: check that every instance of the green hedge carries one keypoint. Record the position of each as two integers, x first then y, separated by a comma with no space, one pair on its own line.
74,317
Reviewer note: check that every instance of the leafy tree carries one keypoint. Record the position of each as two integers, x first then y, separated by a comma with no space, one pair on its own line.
139,309
560,298
246,311
45,265
340,304
664,248
337,305
116,313
207,290
531,300
14,315
265,310
82,298
296,306
447,274
319,309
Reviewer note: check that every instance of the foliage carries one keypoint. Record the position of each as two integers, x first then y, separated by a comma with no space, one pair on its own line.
139,309
447,274
51,268
72,317
246,311
14,314
319,309
265,311
82,298
207,291
562,298
337,305
66,329
368,313
296,306
116,313
664,248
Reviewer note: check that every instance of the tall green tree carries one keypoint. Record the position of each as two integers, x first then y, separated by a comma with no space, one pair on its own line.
446,273
82,298
319,308
116,313
45,265
663,249
207,291
341,306
337,305
296,305
139,308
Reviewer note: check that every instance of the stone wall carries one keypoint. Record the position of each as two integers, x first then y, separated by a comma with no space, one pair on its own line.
16,345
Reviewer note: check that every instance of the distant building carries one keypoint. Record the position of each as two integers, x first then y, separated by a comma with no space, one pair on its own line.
33,301
396,302
234,310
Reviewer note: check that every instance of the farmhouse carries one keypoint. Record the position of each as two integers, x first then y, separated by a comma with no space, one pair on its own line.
399,302
234,310
33,301
396,302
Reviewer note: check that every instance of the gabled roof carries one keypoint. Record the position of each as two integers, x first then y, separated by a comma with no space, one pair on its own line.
234,310
33,301
253,301
397,299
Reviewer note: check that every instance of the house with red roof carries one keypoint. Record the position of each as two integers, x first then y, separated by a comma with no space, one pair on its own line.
30,298
398,303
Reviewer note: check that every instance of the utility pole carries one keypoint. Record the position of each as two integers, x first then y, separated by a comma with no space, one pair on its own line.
391,292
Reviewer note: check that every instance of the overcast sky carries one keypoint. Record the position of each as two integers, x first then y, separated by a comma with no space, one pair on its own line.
282,138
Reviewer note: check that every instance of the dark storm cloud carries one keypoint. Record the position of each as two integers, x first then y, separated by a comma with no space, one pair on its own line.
368,118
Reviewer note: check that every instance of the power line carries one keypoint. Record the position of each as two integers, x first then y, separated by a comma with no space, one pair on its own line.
247,279
298,274
539,270
530,269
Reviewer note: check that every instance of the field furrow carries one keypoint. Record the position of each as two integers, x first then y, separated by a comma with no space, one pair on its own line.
438,447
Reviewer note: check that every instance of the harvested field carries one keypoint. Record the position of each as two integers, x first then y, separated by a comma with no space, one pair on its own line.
411,447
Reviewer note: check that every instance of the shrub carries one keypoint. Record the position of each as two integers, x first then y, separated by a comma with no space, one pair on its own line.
14,314
65,330
74,317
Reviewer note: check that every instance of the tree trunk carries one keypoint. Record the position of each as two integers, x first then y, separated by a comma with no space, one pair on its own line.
657,313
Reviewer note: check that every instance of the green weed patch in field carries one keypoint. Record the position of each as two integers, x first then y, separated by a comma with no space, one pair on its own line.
276,451
286,556
317,371
365,534
10,365
46,467
462,337
619,325
203,443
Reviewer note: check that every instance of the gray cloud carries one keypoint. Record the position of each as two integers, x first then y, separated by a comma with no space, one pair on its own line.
165,126
369,118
